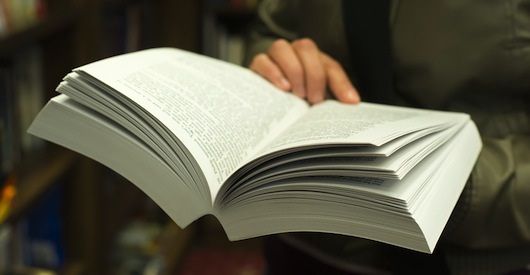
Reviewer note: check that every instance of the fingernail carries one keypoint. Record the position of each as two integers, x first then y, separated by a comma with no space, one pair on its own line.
284,83
317,99
300,93
351,96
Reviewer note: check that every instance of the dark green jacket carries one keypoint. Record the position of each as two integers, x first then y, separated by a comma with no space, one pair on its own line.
464,55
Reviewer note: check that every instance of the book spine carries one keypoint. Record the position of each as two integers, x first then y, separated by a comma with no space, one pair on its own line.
223,31
42,243
125,27
8,141
21,98
29,95
35,241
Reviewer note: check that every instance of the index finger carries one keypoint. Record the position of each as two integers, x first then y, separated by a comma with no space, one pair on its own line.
282,53
339,82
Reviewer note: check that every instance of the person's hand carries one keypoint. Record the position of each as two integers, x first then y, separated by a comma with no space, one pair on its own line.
302,68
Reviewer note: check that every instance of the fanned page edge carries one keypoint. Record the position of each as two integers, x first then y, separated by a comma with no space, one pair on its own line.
456,169
67,123
424,235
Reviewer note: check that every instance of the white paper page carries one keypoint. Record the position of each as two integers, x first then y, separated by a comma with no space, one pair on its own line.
332,122
395,166
405,188
222,113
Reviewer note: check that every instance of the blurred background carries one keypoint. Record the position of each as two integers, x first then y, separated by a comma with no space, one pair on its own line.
61,213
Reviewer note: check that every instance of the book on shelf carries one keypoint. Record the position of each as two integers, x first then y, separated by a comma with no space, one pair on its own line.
35,240
29,90
124,27
201,136
223,29
8,139
21,98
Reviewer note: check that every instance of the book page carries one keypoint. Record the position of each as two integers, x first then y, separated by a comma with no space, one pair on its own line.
332,122
313,163
223,114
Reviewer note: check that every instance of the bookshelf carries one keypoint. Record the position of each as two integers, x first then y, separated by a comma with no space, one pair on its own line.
33,59
97,205
36,177
69,34
52,24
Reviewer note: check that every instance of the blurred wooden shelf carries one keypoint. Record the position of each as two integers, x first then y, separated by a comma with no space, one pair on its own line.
36,177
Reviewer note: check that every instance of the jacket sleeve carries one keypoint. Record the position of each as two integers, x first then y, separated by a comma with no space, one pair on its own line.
494,209
318,20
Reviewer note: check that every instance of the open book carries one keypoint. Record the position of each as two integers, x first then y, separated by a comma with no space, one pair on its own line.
201,136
